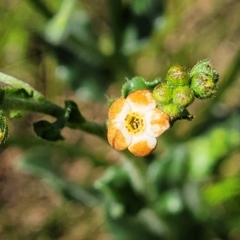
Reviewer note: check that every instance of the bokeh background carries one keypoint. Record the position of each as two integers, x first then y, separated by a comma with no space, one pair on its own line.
84,51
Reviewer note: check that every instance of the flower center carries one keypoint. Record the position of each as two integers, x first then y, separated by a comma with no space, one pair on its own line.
134,123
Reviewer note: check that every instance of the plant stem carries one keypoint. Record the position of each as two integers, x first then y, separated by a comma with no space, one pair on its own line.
93,128
45,107
53,110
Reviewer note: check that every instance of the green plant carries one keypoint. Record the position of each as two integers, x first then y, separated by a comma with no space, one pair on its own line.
187,188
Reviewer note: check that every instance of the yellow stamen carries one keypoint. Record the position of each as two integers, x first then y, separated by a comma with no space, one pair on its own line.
134,123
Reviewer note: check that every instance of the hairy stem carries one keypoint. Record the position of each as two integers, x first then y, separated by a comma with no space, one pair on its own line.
53,110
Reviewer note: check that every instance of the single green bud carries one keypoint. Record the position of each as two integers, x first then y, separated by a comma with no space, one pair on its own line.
205,67
137,83
177,75
3,128
203,86
183,96
162,93
173,110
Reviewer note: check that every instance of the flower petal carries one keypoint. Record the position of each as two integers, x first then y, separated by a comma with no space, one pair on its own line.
141,101
118,110
118,137
142,145
157,122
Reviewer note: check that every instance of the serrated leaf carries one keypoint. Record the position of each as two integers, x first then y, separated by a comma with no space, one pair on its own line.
20,92
22,86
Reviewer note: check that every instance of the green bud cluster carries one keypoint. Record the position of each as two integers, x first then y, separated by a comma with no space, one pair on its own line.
174,95
3,128
181,86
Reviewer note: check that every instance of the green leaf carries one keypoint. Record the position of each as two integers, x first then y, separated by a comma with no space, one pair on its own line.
58,28
18,92
20,87
113,184
47,131
73,115
40,162
140,6
207,150
222,191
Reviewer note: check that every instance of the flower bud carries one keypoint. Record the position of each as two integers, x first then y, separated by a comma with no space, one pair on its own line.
172,110
3,128
205,67
183,96
203,86
162,93
177,75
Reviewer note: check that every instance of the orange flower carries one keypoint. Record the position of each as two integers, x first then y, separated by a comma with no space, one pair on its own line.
135,123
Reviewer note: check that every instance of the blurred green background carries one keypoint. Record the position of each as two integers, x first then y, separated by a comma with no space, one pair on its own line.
80,188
